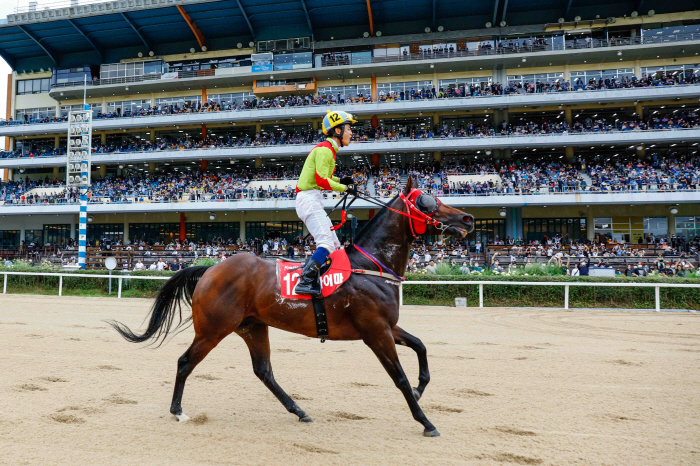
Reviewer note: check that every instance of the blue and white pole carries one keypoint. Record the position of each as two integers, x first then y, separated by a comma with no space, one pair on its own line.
82,232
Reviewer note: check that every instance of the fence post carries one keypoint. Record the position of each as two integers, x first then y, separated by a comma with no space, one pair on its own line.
119,294
400,294
566,296
60,285
481,295
4,285
657,296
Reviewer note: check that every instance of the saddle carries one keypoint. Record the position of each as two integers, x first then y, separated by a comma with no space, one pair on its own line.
334,272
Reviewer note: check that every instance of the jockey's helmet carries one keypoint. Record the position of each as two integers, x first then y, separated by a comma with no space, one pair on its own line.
335,118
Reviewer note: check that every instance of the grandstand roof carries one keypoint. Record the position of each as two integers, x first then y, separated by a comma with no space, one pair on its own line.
91,34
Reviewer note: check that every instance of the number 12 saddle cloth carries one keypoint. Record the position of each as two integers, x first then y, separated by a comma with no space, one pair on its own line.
334,273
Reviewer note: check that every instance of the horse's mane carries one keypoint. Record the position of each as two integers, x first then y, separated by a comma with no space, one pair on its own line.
369,226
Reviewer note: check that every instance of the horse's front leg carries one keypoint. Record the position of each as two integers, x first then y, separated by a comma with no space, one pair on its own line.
382,343
402,337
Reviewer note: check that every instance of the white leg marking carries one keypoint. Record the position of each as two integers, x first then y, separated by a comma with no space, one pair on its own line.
182,417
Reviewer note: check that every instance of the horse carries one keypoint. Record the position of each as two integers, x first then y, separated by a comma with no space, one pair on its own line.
242,295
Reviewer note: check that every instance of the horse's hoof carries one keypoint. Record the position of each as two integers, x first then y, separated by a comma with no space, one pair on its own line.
416,394
431,433
182,417
306,418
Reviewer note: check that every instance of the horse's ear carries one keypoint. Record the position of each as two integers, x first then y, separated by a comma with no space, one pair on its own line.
409,186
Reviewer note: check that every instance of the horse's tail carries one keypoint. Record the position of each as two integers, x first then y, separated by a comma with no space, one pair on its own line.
168,303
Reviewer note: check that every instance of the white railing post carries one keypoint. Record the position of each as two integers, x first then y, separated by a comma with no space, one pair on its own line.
4,285
60,285
119,294
400,294
481,295
657,296
566,296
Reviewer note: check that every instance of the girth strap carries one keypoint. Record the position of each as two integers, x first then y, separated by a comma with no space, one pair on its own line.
321,319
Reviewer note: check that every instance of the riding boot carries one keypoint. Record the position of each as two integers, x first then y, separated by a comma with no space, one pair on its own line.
309,282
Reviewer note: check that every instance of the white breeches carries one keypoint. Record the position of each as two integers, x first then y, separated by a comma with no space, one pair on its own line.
310,210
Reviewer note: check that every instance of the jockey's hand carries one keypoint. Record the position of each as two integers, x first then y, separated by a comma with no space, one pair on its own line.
351,189
347,180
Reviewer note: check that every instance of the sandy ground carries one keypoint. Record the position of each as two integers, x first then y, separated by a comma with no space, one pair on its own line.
519,386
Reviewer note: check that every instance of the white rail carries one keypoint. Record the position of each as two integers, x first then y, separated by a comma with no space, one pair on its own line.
566,285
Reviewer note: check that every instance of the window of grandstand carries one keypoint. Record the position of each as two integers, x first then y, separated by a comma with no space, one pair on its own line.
34,236
180,102
407,88
482,82
28,147
597,75
661,71
130,69
487,231
299,43
228,99
127,106
656,30
32,114
688,227
9,239
208,231
152,232
347,92
265,230
96,108
342,58
96,232
33,86
293,61
629,229
71,76
548,78
535,229
56,235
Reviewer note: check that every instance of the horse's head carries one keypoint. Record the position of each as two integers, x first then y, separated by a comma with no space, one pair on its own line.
429,216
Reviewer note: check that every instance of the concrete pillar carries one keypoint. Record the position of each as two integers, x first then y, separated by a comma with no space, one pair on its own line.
204,96
153,99
23,234
10,174
671,224
637,69
203,165
204,132
506,154
500,74
242,227
497,118
374,121
9,143
57,142
436,82
151,167
126,233
639,110
514,222
437,156
569,154
103,171
152,136
103,138
258,162
72,229
373,88
315,124
55,172
567,73
258,127
568,116
183,227
590,225
641,153
375,160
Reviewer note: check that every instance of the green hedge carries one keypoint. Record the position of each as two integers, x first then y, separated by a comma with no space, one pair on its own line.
552,296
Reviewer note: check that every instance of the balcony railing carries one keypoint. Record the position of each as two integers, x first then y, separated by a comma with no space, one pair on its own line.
104,82
520,49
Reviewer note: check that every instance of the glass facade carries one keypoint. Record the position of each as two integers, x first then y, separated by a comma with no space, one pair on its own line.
543,78
349,91
207,231
265,230
132,106
586,76
483,81
34,236
71,76
9,239
30,114
628,229
96,108
33,86
688,227
96,232
130,69
487,231
540,229
179,101
56,235
396,88
152,232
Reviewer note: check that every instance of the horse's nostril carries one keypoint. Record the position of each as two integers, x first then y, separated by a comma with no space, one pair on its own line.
468,219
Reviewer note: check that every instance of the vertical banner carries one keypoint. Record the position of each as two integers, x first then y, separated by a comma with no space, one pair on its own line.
78,168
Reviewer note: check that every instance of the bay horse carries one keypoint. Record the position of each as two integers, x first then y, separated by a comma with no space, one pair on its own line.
242,295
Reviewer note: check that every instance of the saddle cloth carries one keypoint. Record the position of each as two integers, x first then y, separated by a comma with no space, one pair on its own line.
331,276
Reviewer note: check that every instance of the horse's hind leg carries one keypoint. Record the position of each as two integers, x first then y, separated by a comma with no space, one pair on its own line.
197,351
256,337
402,337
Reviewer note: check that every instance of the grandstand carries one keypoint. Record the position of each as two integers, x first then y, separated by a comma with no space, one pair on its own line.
559,119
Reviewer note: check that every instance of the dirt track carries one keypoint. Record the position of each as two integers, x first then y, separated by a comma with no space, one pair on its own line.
508,386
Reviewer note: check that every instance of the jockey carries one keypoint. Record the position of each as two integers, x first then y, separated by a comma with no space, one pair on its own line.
316,176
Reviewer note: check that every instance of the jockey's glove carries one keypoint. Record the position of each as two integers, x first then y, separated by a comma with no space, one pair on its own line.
351,189
347,180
